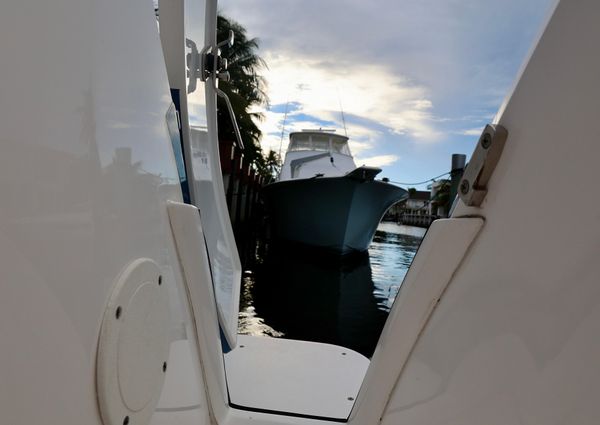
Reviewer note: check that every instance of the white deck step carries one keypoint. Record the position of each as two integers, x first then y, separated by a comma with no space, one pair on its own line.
297,377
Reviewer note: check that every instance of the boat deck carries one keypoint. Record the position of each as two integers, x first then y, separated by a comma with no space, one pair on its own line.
294,377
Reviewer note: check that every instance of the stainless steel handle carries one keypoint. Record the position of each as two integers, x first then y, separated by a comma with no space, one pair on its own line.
236,129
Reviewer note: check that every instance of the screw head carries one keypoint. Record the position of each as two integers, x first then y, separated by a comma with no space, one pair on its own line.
486,141
464,187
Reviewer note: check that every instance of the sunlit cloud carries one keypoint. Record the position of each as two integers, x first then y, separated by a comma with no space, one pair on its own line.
377,161
471,131
324,88
418,81
316,92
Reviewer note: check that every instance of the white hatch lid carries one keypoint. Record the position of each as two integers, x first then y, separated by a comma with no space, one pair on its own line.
133,346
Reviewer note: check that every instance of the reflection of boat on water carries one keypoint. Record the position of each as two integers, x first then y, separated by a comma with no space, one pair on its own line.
322,199
322,300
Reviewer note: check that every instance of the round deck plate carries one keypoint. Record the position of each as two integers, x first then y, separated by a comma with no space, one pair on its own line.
133,346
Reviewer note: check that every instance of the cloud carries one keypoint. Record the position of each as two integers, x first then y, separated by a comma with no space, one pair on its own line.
324,88
377,161
449,47
471,131
373,100
408,74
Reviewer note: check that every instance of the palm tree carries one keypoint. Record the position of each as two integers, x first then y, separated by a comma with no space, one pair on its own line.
246,89
270,165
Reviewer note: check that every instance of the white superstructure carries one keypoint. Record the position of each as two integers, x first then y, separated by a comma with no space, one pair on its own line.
316,152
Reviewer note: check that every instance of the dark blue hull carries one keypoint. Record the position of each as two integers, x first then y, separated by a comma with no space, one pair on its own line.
339,214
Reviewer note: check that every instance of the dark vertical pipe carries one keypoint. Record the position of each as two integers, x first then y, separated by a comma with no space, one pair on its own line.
240,191
249,187
231,182
456,172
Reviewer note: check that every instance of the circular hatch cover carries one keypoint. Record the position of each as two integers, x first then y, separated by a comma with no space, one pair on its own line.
133,346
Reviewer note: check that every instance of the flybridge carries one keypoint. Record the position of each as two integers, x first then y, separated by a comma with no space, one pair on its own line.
319,140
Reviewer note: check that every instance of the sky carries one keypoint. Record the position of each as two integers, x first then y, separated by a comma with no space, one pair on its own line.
417,80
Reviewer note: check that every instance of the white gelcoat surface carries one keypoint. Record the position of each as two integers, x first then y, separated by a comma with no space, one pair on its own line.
181,391
193,256
186,20
514,339
223,256
291,376
199,130
86,168
342,164
440,254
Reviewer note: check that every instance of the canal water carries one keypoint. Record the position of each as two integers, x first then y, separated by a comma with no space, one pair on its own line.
297,294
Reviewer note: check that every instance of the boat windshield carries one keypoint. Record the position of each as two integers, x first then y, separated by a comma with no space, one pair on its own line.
340,146
300,143
319,142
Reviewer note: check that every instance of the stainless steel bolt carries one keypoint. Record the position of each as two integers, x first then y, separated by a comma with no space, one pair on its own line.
486,142
464,187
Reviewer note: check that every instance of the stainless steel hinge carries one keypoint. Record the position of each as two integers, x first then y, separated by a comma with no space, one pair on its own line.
473,185
206,63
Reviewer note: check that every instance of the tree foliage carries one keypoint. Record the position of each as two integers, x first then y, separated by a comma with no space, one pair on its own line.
246,90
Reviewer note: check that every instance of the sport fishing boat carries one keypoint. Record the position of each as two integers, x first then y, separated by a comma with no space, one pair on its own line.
119,300
322,199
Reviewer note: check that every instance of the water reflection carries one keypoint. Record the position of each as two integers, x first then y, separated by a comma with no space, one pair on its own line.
249,322
298,294
392,250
